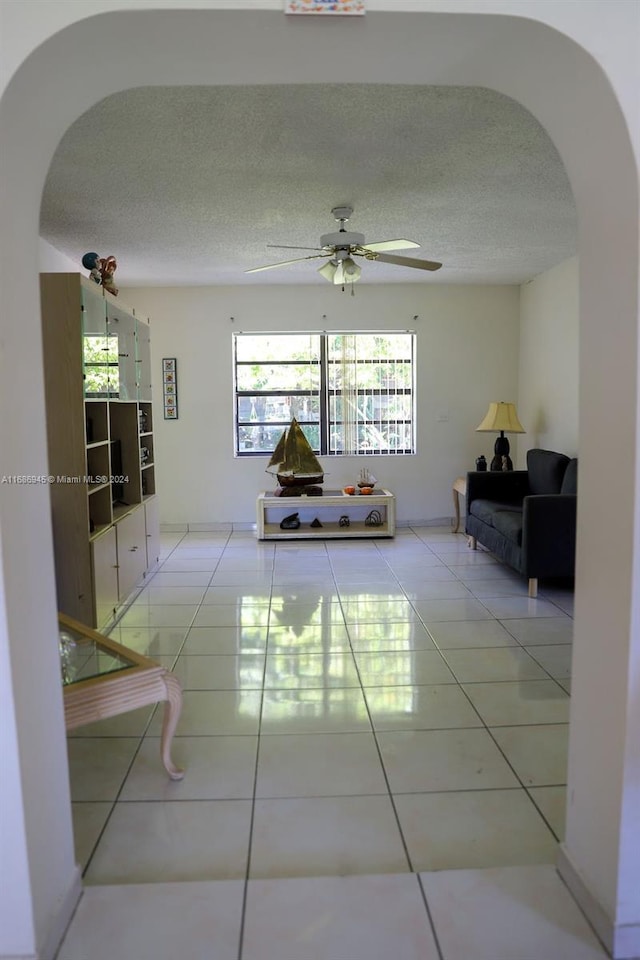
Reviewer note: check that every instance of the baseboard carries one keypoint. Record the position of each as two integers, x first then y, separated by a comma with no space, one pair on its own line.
622,942
62,919
174,527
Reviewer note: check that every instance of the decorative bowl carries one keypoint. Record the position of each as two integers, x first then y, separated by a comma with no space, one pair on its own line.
349,490
366,491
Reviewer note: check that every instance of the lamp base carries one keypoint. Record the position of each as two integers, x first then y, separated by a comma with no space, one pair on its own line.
501,460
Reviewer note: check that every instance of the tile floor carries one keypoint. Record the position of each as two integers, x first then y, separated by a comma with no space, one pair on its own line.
374,734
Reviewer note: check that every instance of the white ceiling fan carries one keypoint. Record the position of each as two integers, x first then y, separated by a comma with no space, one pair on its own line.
341,247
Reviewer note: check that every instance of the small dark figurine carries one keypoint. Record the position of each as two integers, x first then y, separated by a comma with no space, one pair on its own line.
315,523
101,270
91,262
481,463
292,522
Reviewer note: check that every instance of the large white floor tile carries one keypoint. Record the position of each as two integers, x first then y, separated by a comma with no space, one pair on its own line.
326,918
159,921
529,631
524,702
225,640
309,638
97,766
537,754
552,804
426,707
555,659
88,822
206,713
319,765
509,913
493,663
221,671
216,768
181,579
473,828
418,761
284,672
159,615
231,615
337,710
401,667
150,641
463,634
246,594
156,594
506,608
325,836
374,637
162,841
432,611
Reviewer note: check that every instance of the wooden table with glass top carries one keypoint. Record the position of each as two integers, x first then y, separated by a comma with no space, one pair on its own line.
102,678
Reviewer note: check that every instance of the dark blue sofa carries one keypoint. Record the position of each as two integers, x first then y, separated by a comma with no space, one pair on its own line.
527,518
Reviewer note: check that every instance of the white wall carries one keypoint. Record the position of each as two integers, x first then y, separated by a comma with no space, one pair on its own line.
467,355
549,361
51,260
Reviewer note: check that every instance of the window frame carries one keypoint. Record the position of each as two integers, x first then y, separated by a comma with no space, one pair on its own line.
325,394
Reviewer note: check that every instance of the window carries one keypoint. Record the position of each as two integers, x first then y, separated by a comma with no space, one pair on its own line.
352,393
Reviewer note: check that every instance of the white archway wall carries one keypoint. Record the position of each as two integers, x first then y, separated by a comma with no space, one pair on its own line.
571,97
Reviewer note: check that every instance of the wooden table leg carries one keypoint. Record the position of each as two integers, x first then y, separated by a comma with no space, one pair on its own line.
459,487
172,708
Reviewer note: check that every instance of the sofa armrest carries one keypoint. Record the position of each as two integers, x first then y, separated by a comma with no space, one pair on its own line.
549,535
505,486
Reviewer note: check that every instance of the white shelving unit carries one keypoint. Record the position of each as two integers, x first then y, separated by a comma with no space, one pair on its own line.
333,504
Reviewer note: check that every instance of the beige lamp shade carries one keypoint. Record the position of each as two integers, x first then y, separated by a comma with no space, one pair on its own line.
501,416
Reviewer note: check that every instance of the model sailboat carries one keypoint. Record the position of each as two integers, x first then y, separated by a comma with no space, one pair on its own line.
293,461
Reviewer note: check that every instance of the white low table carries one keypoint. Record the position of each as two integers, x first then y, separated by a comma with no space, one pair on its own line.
328,509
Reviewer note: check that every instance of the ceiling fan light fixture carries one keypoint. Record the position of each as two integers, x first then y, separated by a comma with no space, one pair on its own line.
347,271
328,270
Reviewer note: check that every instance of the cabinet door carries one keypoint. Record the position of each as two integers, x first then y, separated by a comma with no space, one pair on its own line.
121,327
104,556
97,358
143,360
132,551
152,519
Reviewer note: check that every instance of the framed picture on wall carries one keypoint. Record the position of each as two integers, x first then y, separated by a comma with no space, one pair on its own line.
170,388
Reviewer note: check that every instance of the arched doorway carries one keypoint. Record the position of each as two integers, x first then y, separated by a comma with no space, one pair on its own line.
573,100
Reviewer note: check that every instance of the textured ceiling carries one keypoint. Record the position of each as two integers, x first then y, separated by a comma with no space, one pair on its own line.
188,185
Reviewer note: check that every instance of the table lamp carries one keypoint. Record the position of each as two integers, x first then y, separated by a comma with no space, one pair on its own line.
501,416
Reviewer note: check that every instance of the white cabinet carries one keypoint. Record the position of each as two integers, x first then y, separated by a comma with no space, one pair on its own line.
104,554
132,551
152,523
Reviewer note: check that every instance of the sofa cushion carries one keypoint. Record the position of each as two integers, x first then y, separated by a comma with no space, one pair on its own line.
546,470
485,510
509,524
570,479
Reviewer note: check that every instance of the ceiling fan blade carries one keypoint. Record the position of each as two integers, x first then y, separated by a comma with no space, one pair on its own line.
285,263
285,246
407,261
391,245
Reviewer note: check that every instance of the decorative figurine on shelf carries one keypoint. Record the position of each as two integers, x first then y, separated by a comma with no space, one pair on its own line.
91,262
108,269
344,521
507,463
373,519
101,270
366,479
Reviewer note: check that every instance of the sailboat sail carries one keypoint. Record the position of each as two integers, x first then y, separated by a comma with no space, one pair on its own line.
293,461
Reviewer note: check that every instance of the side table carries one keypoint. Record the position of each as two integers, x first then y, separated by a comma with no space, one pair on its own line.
102,678
459,487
